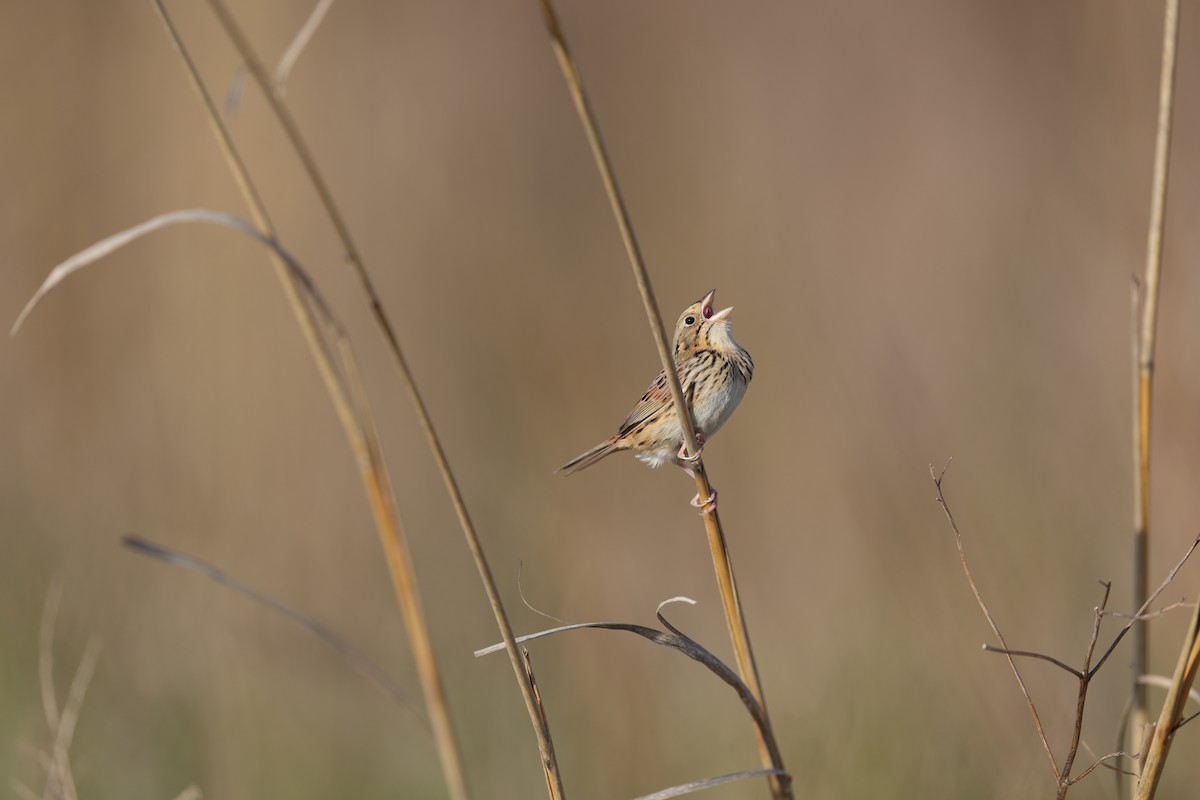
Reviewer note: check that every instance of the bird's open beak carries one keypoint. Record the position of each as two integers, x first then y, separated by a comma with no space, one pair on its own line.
706,308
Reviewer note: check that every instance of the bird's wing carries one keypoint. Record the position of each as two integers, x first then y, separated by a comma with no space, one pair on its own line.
656,398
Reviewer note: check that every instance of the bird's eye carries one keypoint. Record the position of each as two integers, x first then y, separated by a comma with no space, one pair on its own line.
689,320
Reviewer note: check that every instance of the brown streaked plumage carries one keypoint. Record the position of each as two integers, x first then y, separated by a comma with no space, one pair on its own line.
713,371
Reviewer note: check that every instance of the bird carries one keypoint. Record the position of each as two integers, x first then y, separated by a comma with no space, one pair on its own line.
713,371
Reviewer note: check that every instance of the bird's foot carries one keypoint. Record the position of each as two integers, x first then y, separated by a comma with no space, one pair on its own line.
709,505
683,453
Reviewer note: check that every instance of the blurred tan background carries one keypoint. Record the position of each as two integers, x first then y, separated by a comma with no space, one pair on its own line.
926,214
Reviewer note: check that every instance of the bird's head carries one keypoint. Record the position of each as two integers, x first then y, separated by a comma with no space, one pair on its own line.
701,327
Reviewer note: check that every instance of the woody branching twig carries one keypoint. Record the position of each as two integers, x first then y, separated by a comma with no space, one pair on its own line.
731,601
962,556
1084,674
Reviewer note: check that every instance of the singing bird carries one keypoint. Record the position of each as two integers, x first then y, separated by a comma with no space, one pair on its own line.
714,372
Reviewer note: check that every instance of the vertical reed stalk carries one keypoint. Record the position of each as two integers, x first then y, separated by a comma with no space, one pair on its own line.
258,72
735,620
1144,378
1172,712
360,432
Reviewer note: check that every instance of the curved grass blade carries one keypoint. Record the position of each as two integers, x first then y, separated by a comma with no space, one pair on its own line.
90,255
709,783
365,666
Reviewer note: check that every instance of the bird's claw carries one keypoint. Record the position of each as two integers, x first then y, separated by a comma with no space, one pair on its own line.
708,506
683,453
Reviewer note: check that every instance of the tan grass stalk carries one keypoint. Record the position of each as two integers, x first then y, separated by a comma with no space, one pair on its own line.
258,72
360,432
60,781
1172,712
1144,376
735,620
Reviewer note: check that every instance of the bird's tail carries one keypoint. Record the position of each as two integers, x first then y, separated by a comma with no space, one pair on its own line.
590,457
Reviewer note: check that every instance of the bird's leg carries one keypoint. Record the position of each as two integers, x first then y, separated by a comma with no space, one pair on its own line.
708,506
683,454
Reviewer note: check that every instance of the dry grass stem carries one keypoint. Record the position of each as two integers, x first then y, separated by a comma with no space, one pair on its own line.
730,598
525,601
351,654
681,642
259,73
110,244
1144,346
1163,682
1170,718
22,791
358,425
46,654
549,765
60,782
303,37
709,783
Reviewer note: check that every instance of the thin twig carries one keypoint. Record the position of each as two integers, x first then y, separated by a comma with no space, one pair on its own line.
1085,680
1063,778
1152,614
1186,720
1149,601
1030,654
1102,761
259,73
730,598
962,557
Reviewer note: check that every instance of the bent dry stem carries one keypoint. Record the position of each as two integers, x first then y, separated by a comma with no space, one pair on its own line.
730,599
